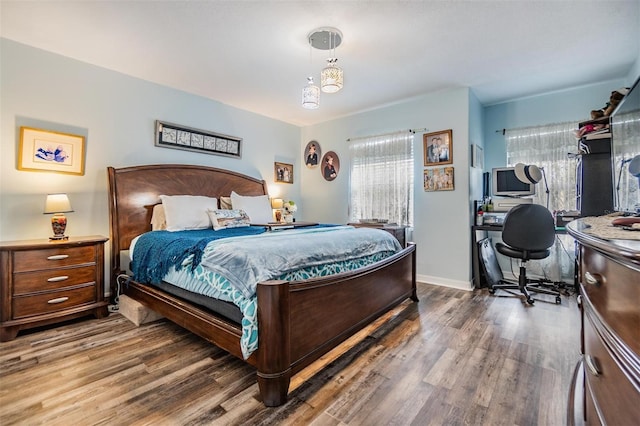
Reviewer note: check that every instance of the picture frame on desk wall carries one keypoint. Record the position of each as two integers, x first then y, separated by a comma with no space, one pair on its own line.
439,179
438,148
477,156
51,151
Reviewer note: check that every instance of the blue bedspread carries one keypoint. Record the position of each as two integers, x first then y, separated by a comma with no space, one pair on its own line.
245,262
156,252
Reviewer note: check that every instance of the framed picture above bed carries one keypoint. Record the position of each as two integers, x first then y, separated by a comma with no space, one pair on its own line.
283,172
174,136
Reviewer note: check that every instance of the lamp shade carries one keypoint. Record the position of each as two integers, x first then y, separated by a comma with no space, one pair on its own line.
528,174
277,203
310,95
332,77
57,203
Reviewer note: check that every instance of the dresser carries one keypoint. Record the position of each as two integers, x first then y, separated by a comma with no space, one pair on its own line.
44,282
606,385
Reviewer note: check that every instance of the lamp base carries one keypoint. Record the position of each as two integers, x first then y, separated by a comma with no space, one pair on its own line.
59,225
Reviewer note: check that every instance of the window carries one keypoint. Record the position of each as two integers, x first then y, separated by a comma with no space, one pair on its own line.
381,178
548,147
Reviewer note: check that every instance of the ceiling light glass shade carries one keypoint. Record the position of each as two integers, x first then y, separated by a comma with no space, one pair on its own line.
331,78
310,95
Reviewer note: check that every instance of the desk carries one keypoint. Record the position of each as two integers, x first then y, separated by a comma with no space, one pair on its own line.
477,280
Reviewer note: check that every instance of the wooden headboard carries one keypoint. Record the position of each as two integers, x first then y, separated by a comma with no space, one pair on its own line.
134,190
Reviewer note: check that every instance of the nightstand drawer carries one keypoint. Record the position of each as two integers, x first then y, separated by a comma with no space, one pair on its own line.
30,282
39,304
36,260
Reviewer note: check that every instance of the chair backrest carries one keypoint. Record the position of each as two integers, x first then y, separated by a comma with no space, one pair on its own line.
529,227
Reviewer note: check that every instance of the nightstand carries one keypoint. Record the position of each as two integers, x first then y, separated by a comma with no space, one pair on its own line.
44,282
396,231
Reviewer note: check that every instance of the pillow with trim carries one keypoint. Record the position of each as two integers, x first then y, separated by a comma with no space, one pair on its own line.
225,219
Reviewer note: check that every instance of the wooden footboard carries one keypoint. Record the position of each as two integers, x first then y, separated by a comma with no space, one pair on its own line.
300,322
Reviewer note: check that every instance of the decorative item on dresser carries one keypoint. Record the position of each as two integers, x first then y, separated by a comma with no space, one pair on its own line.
58,205
45,282
606,382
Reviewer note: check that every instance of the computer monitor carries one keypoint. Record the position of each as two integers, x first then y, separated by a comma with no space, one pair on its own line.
504,183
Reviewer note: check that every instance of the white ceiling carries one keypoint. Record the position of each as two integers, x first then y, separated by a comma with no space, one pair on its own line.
254,55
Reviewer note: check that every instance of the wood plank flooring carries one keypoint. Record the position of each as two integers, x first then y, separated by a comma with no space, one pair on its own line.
454,358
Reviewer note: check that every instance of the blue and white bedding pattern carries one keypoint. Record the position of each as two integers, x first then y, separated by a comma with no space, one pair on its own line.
230,268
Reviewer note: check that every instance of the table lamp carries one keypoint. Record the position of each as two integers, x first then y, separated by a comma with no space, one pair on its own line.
58,205
277,203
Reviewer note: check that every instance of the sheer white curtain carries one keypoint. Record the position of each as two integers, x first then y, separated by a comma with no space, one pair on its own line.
626,145
548,147
381,178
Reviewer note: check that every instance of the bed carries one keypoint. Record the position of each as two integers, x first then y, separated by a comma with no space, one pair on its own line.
299,321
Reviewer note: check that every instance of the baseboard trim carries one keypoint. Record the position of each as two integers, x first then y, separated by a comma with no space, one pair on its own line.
445,282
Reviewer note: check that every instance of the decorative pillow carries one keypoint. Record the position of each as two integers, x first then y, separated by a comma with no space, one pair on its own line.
158,219
224,219
225,203
185,212
258,207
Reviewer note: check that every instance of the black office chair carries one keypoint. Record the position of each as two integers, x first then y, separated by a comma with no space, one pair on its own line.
528,233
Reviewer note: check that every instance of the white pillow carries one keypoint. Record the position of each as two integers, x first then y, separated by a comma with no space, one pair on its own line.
158,219
225,219
185,212
258,208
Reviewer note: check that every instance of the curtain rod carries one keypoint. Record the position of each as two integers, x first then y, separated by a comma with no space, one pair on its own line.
424,129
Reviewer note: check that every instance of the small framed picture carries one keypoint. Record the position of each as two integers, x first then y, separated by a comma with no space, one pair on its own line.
312,155
477,156
49,151
439,179
438,148
330,166
283,172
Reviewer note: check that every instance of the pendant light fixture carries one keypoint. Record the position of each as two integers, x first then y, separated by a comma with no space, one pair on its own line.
310,95
332,76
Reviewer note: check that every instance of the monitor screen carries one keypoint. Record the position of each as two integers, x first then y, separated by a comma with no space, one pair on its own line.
506,184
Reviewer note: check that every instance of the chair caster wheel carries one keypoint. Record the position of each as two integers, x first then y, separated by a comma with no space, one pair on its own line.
558,300
530,301
492,291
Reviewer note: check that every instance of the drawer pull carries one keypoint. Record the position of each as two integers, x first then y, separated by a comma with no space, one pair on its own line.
591,278
56,279
58,257
57,300
579,300
592,365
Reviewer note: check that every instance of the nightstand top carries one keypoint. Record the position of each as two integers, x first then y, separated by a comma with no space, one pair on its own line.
46,243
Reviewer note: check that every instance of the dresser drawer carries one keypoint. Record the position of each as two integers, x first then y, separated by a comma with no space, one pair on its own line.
610,393
614,291
37,260
29,282
38,304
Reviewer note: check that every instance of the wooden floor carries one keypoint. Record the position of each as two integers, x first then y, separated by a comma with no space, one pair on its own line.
454,358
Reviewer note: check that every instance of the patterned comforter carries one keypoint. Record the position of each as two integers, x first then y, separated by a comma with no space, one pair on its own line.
230,268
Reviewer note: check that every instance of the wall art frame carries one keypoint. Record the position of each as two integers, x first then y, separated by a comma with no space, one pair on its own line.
175,136
477,156
312,154
283,172
438,148
330,166
439,179
51,151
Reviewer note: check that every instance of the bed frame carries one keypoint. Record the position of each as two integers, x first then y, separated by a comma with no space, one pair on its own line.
298,321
